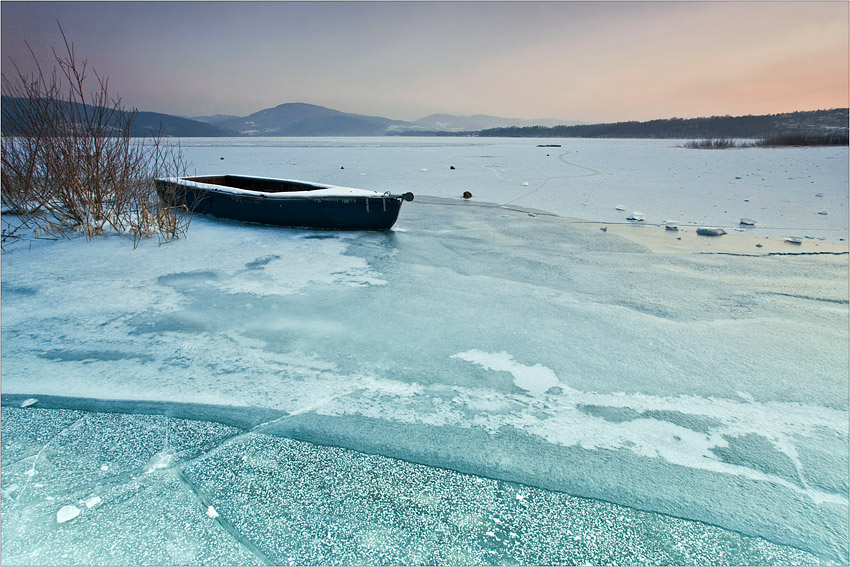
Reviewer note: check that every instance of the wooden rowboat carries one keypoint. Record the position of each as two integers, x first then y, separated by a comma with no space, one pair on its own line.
283,202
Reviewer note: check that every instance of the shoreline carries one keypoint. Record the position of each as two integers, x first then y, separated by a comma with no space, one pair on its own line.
659,240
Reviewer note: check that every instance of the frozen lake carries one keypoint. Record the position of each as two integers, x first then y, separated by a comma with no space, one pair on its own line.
782,189
504,351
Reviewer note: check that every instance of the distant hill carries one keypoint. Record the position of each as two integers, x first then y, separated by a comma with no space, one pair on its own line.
762,126
452,123
214,119
300,119
149,123
145,124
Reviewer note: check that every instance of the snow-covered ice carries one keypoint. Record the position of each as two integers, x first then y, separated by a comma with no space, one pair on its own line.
473,337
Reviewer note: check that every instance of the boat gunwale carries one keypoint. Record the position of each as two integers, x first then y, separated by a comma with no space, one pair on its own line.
318,191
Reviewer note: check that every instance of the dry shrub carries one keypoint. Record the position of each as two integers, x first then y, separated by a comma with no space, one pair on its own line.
70,164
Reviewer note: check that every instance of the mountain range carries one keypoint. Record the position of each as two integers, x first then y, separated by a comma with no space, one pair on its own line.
301,119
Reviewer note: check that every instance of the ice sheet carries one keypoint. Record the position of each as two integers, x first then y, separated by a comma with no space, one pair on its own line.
227,496
781,189
477,338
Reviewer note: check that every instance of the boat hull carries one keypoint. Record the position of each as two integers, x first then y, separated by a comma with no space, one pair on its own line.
341,212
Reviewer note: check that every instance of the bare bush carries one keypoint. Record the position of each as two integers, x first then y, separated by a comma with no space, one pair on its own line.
70,163
713,144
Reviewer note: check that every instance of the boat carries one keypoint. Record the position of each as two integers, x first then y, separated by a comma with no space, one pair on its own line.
283,202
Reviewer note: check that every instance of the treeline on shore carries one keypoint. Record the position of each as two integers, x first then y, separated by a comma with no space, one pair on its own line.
793,128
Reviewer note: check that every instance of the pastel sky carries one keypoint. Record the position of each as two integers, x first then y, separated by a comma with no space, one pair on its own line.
589,61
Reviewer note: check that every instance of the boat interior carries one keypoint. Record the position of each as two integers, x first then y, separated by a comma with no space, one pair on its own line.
255,184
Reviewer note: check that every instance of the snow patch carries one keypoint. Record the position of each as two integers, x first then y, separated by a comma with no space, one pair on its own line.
535,379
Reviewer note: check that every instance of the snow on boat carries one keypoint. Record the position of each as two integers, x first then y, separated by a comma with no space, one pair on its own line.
283,202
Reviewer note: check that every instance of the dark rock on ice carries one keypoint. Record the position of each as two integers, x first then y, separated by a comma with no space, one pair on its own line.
710,231
747,222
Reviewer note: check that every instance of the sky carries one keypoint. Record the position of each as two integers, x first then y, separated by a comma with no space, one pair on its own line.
586,61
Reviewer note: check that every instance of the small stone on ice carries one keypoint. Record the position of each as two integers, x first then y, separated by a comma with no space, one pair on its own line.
93,501
28,402
708,231
818,194
67,513
211,512
748,222
823,213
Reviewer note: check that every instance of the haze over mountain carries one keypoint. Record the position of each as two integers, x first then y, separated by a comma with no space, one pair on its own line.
301,119
452,123
144,124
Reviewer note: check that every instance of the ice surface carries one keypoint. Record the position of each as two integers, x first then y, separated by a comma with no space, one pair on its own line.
248,498
784,188
120,515
475,337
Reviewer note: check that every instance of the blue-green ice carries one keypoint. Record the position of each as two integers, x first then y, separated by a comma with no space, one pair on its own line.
484,384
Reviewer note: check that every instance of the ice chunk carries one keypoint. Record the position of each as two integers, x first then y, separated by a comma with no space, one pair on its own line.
67,513
159,461
28,402
823,212
211,512
93,501
525,183
636,216
620,208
